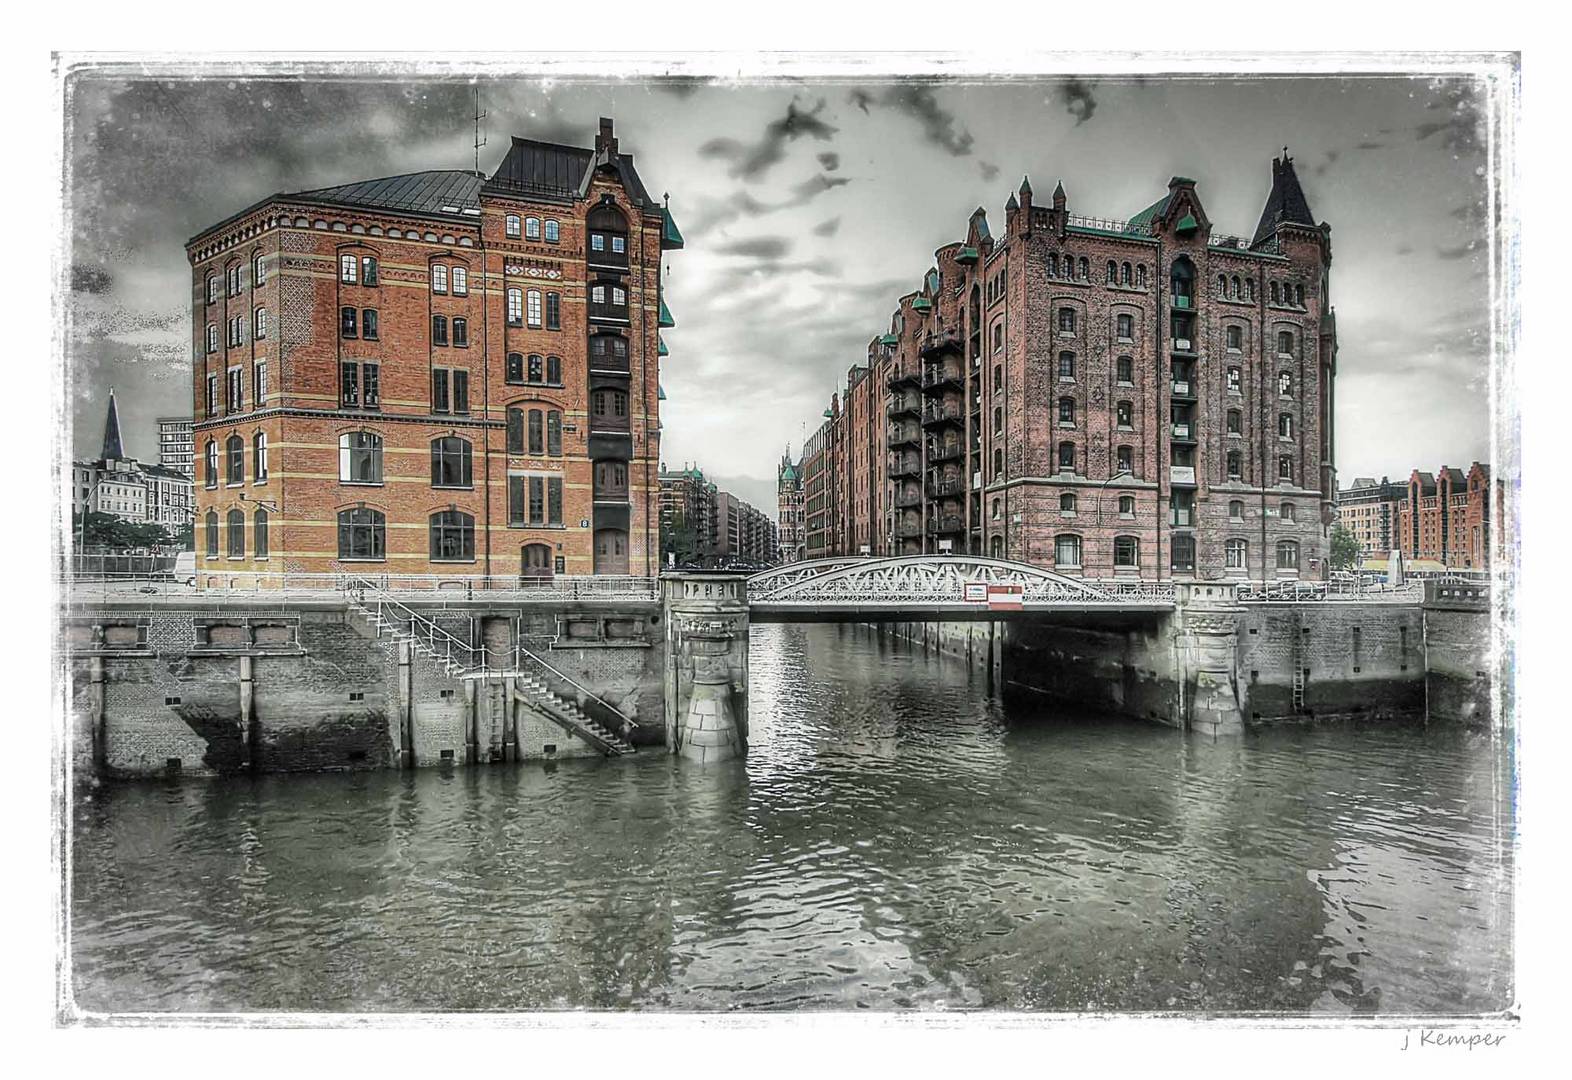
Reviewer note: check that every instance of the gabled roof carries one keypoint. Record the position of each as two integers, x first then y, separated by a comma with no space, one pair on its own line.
1153,212
1286,203
439,191
542,168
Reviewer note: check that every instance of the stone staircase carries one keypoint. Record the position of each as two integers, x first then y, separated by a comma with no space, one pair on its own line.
457,659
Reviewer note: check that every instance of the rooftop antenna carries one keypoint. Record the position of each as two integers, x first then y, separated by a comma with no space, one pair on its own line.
480,140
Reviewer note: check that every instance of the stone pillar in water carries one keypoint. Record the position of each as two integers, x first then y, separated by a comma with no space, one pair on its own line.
706,683
1209,645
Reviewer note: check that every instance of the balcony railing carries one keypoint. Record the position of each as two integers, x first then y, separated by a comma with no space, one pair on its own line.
942,413
940,343
945,452
1183,344
617,425
907,499
1181,430
1182,388
904,378
905,435
908,529
1181,474
904,404
945,489
905,465
949,523
935,379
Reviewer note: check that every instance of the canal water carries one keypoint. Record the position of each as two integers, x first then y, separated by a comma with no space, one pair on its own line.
894,840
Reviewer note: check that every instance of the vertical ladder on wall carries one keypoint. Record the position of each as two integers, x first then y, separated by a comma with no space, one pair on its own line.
1299,685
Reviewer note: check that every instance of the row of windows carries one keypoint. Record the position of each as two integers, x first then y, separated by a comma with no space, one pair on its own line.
1127,552
1124,461
532,228
357,270
439,279
236,327
524,309
235,460
232,278
235,521
1116,274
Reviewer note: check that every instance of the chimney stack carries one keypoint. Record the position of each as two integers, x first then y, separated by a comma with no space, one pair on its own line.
606,140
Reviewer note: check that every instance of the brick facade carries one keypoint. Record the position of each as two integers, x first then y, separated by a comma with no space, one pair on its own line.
353,327
1141,398
1444,518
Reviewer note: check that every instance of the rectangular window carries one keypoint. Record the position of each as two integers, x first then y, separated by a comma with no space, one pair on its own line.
554,500
461,333
554,433
439,390
368,324
619,244
260,330
461,391
346,322
349,384
532,228
537,500
439,278
347,265
370,394
534,308
259,383
515,367
512,226
368,270
1126,326
515,307
554,370
460,281
439,329
553,308
537,440
516,500
233,398
212,395
553,231
1233,380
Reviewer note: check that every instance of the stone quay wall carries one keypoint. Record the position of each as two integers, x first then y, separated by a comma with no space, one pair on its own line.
307,685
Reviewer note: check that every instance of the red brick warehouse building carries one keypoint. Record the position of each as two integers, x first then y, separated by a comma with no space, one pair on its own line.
1106,398
439,372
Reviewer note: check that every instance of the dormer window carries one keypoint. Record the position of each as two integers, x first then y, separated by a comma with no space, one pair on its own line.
1183,282
608,235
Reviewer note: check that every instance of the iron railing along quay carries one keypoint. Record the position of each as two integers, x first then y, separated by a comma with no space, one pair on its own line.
507,588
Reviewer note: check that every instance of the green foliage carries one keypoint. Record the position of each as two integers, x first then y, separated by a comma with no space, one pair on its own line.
108,531
678,539
1344,549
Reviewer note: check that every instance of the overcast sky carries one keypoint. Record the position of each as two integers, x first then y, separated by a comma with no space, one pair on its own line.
809,207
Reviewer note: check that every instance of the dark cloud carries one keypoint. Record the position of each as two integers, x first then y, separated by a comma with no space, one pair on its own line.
1405,249
758,247
1368,145
1460,119
682,86
813,186
1331,159
917,101
829,161
751,162
1076,97
988,169
90,279
713,214
827,228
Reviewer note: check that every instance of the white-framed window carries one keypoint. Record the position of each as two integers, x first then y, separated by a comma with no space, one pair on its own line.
532,228
515,307
553,231
360,458
1067,550
1288,555
1127,552
259,383
512,226
1235,380
212,337
460,281
348,269
259,457
258,275
259,323
534,307
1234,554
439,278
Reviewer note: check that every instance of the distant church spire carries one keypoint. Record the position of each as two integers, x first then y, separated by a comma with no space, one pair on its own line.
112,448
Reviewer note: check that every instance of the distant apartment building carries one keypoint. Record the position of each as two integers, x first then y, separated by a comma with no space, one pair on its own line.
702,523
1369,511
1143,398
120,485
1444,518
175,444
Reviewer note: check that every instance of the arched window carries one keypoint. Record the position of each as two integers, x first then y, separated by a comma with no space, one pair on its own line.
452,462
460,332
1053,264
1285,425
1285,341
362,534
235,460
998,419
1236,510
1124,274
347,268
1127,552
1287,512
1113,272
1235,422
212,295
1086,270
535,564
210,466
511,227
439,278
998,463
1249,289
1124,327
460,281
1067,410
996,510
608,235
235,534
532,228
452,536
259,456
1276,294
360,458
259,323
1288,555
1140,277
515,307
1067,502
514,372
1235,464
1124,414
1222,285
1235,552
368,270
996,547
998,377
1124,460
1233,290
212,337
1127,506
1067,365
1183,282
259,530
1067,551
537,432
210,527
1066,456
553,231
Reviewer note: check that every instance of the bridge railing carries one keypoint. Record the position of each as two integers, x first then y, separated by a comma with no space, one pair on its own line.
422,587
1302,592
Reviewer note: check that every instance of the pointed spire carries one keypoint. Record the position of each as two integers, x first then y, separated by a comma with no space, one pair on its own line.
113,451
1026,185
1286,203
1011,204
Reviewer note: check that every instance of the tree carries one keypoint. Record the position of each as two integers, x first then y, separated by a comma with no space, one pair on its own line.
116,533
1345,549
678,542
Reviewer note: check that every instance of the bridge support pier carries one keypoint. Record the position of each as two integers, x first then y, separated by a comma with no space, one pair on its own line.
706,678
1208,645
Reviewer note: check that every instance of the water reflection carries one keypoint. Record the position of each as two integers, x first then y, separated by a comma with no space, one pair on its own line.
893,840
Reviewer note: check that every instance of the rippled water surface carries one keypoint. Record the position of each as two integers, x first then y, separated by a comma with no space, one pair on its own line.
893,840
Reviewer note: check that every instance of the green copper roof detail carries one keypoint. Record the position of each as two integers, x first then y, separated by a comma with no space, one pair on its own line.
922,303
670,235
966,255
827,414
889,339
662,351
665,314
1187,224
660,392
1151,213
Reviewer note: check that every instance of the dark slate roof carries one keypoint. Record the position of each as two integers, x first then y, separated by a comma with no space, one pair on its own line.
1455,476
434,192
1287,198
1427,484
112,448
542,168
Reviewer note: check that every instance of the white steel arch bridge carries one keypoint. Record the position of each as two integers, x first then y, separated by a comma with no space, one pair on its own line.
918,587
